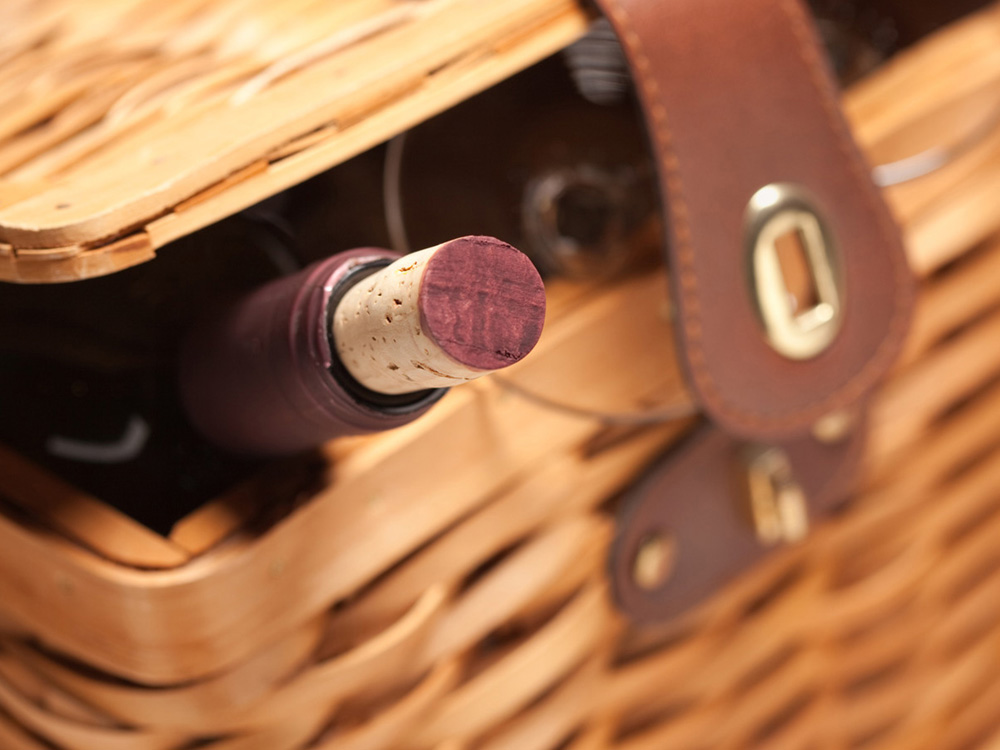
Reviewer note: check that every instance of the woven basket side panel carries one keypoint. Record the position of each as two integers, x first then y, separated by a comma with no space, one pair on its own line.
496,631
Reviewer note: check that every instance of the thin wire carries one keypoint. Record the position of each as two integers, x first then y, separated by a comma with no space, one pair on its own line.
934,158
392,194
652,416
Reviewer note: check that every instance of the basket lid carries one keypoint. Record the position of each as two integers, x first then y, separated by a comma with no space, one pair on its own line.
130,124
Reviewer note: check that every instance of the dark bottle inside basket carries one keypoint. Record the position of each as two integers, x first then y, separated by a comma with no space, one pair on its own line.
161,386
568,179
364,341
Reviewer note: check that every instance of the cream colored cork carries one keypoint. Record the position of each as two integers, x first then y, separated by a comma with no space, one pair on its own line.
440,317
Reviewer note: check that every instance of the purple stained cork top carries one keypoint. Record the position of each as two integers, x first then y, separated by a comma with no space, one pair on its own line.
482,301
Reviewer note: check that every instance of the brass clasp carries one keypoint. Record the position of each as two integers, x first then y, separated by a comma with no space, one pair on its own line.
777,503
794,271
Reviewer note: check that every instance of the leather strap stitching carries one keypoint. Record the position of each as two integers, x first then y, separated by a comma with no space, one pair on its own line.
810,55
679,212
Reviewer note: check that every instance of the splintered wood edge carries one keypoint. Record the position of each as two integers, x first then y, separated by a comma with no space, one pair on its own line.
90,522
303,156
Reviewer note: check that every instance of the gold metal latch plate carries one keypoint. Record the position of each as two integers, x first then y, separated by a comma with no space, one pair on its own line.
794,270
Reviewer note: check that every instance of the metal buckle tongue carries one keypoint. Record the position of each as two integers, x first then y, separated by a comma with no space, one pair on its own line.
794,267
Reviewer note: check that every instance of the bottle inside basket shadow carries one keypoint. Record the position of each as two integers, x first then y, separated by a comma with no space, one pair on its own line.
553,161
162,386
93,367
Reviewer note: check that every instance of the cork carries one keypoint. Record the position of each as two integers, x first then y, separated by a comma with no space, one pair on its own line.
440,317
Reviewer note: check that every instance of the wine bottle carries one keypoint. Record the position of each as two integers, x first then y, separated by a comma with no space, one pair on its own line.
366,340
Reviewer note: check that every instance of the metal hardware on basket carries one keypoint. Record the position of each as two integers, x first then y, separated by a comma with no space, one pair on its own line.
799,308
935,158
598,66
713,506
777,502
574,215
834,427
654,561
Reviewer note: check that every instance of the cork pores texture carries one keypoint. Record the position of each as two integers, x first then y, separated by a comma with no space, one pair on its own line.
441,316
482,302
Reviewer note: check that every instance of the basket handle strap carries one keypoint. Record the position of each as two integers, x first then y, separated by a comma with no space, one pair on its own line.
755,163
792,290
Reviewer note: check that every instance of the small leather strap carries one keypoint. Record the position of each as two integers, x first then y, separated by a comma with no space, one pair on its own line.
737,96
697,498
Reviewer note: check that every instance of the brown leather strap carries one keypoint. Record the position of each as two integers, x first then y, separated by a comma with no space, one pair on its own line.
737,96
697,500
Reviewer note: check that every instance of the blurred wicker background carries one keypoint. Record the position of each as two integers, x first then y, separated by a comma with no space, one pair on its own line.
410,604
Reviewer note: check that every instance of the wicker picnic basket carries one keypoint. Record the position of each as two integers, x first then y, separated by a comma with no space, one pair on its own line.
447,585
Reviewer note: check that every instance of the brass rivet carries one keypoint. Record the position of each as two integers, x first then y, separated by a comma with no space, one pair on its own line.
778,505
653,562
834,427
794,271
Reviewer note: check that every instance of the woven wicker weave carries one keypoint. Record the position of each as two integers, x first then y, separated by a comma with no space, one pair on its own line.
411,603
153,120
